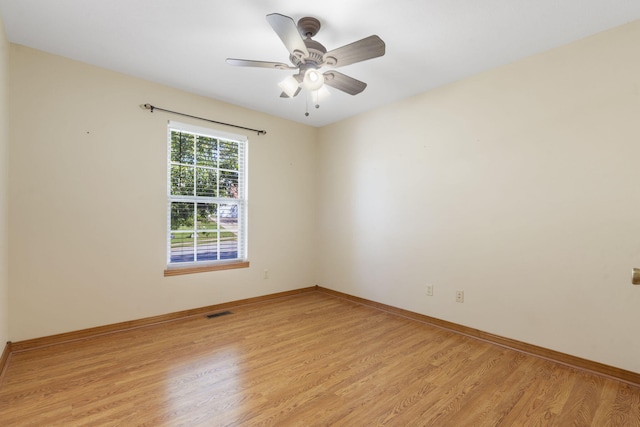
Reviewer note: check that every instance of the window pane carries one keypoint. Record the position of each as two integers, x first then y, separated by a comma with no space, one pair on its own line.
228,231
228,155
182,247
206,182
181,216
207,246
207,216
228,245
181,180
206,151
229,219
181,147
229,184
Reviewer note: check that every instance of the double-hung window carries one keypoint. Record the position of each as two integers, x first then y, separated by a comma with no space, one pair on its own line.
207,197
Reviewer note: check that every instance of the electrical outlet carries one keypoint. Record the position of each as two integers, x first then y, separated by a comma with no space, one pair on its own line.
430,290
459,296
265,274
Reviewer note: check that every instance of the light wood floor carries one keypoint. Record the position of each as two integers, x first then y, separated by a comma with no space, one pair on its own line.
310,359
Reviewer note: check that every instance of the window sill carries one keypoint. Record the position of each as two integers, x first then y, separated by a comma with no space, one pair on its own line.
176,271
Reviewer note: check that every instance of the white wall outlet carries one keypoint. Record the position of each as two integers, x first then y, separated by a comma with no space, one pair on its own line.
430,290
459,296
265,274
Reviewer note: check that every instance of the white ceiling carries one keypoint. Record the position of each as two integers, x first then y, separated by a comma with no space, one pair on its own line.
184,43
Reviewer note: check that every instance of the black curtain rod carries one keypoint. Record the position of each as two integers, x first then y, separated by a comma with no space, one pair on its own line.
151,108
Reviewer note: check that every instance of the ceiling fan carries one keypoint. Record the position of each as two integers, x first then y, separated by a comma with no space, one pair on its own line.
308,56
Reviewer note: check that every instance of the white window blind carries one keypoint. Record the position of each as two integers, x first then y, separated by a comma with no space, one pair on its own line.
207,196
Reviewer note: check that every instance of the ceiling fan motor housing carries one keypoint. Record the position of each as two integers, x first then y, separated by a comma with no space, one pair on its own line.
309,27
316,54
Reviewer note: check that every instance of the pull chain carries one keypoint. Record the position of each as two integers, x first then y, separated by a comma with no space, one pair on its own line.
306,103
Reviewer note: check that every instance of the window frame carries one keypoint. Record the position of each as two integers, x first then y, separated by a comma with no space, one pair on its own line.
196,266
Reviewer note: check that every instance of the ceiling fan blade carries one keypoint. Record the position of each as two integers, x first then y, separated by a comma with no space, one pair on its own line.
261,64
288,32
284,95
344,83
367,48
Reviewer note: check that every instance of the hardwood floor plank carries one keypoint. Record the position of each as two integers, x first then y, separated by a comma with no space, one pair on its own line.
625,409
305,359
478,405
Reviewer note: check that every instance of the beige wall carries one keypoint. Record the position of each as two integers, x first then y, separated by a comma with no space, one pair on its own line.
4,187
520,186
88,199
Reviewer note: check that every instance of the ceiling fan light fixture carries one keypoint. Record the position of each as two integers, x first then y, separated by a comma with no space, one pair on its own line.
313,80
289,86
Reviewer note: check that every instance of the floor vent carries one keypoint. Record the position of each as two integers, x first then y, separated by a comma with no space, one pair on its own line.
222,313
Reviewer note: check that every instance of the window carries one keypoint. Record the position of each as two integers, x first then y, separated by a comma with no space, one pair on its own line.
207,197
